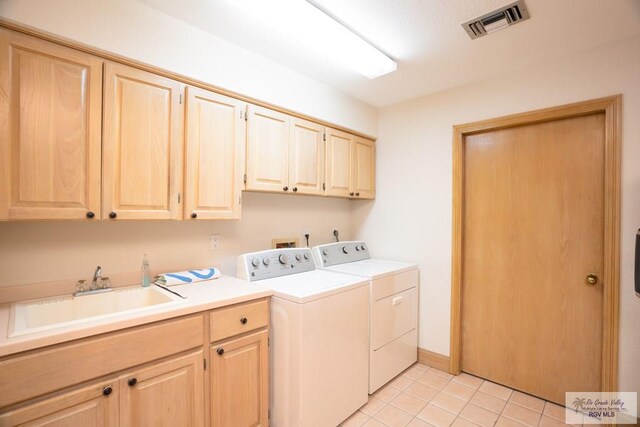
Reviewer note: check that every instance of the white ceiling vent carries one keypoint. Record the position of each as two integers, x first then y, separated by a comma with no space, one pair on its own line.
498,19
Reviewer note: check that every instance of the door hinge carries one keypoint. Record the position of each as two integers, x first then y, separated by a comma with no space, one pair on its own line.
180,98
269,414
204,362
244,178
324,186
268,341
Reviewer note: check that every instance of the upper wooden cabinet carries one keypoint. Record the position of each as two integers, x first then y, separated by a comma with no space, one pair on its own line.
267,150
350,168
364,168
338,172
50,104
215,141
142,145
306,157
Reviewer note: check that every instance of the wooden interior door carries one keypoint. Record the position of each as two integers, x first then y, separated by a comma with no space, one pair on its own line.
166,394
50,111
306,157
215,138
533,230
267,150
364,168
338,163
142,145
240,381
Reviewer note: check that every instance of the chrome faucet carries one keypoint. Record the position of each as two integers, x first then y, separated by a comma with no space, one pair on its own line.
96,276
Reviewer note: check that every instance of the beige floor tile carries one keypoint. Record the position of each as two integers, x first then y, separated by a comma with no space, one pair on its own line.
468,380
417,422
421,366
436,416
443,374
372,422
422,391
408,403
521,414
478,415
461,422
387,393
372,406
496,390
554,411
355,420
458,390
507,422
400,382
527,401
413,372
393,417
550,422
433,380
448,402
486,401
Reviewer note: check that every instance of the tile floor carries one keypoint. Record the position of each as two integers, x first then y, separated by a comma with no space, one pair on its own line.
426,397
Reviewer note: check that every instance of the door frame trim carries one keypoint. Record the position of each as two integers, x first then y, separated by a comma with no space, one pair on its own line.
611,107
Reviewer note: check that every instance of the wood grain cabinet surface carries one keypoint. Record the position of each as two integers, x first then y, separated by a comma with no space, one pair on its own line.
350,167
50,111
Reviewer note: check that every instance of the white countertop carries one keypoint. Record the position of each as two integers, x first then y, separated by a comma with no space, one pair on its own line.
201,296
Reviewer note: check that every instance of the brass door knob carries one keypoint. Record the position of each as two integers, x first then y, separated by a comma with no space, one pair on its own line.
592,279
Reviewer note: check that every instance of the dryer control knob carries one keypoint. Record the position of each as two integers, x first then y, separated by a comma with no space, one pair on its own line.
298,257
344,250
266,261
255,262
325,252
363,248
283,259
306,256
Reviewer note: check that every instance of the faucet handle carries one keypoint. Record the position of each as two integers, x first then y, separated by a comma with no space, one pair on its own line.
105,282
81,285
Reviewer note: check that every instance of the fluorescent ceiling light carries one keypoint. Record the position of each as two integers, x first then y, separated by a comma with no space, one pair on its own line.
304,21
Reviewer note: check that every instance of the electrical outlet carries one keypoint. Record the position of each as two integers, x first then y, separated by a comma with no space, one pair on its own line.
215,242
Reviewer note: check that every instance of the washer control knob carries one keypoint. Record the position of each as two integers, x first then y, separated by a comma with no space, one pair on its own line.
255,262
266,261
325,252
298,257
344,250
363,248
357,248
306,256
283,259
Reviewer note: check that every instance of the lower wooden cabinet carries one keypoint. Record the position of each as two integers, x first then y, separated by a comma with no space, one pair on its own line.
240,381
93,405
169,393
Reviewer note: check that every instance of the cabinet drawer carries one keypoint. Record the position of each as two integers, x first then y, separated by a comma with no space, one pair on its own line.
44,371
237,319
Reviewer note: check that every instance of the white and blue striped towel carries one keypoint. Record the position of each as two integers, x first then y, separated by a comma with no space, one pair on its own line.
190,276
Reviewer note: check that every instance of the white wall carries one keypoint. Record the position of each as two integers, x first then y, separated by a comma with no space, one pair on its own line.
412,211
137,31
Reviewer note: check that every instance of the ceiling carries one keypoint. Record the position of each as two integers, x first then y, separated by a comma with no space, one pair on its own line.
425,37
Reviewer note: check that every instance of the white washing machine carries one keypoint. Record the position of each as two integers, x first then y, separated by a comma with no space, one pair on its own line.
319,344
393,335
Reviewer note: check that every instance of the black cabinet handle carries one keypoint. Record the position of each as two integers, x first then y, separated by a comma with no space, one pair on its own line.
358,194
220,351
194,215
107,390
295,189
90,215
132,381
112,215
351,194
285,188
244,320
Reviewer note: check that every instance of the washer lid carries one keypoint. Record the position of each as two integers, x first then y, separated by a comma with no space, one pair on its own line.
312,285
372,268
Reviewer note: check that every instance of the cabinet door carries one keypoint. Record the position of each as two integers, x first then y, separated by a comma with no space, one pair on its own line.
142,145
267,150
215,138
338,163
50,105
94,405
306,157
240,382
169,393
364,168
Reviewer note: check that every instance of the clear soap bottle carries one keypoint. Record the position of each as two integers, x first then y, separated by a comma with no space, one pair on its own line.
146,276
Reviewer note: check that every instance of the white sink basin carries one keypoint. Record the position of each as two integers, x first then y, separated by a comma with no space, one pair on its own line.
42,314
